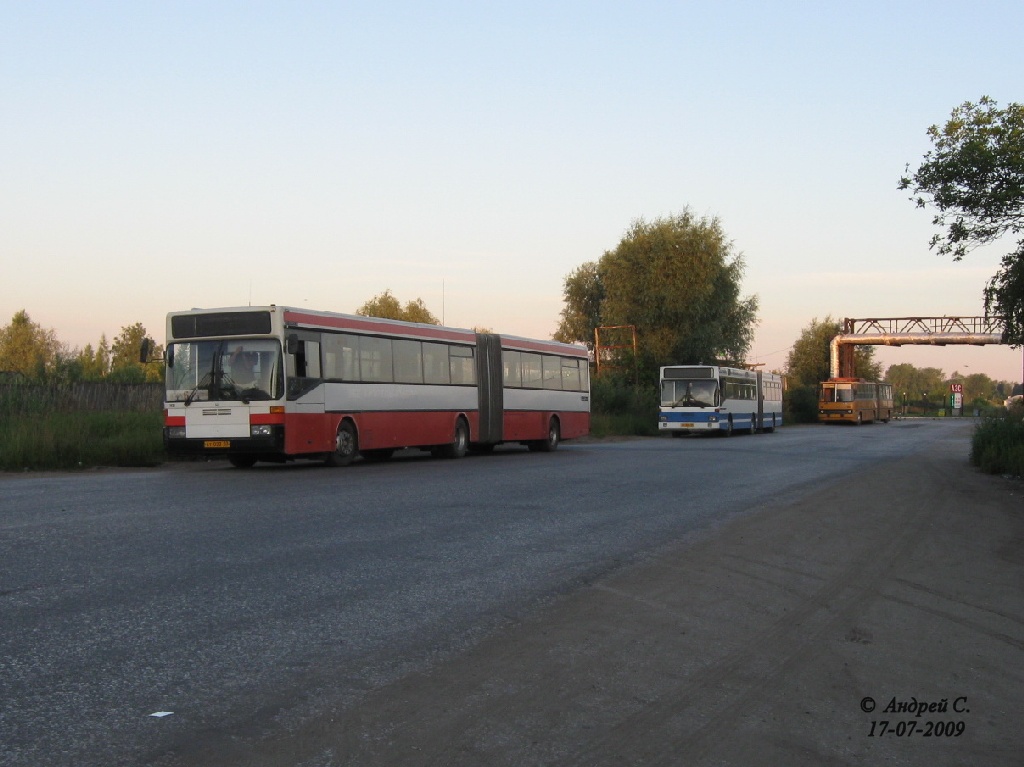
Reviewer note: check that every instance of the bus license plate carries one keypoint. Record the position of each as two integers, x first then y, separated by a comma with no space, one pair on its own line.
687,425
213,443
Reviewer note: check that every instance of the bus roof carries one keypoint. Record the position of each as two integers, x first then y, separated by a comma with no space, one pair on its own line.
294,317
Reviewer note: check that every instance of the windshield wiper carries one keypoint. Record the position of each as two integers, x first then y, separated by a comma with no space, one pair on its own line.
204,381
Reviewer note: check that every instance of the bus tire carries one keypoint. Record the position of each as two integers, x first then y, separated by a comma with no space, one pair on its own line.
242,461
460,441
753,423
553,439
770,429
728,428
346,446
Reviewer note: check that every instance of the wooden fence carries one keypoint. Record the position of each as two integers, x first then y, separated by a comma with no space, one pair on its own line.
82,396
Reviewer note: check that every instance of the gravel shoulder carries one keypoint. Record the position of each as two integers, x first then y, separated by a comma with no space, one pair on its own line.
786,636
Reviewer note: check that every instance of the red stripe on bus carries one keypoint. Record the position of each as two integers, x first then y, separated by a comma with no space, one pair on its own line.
352,323
541,346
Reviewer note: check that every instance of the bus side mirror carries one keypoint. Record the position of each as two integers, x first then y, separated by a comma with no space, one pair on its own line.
291,344
147,351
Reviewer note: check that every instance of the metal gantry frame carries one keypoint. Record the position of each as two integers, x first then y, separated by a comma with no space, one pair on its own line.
897,331
624,335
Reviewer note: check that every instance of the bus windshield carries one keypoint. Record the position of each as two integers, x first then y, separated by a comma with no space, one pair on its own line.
681,393
224,369
837,394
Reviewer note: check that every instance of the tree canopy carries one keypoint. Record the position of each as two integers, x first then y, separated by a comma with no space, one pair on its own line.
34,352
974,178
27,348
914,384
809,361
386,306
677,280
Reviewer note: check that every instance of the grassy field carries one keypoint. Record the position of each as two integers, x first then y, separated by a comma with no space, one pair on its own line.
80,440
42,427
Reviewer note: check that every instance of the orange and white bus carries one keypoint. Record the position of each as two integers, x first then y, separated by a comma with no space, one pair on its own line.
277,383
854,400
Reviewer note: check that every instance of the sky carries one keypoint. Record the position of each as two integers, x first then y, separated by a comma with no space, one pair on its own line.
159,156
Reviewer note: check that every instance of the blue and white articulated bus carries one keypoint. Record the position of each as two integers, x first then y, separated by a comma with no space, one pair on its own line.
701,399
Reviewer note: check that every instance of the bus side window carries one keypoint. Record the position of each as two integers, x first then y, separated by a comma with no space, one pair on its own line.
512,369
303,366
436,369
570,374
463,366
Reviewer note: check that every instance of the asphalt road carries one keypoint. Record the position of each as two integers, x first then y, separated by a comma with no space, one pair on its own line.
250,603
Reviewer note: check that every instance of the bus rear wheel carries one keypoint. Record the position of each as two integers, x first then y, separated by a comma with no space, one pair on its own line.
346,446
459,445
242,461
553,439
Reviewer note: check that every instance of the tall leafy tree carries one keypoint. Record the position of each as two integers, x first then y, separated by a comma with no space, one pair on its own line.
385,305
584,292
27,348
677,280
125,365
974,178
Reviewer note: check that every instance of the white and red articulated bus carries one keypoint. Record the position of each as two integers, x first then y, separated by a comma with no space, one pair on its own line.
276,383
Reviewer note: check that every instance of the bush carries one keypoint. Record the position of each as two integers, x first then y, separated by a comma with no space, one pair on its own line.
997,446
618,406
801,405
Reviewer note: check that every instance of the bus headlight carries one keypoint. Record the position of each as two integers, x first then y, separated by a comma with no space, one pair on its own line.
175,432
260,430
712,419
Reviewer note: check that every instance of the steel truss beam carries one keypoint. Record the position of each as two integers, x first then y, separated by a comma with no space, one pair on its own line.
897,331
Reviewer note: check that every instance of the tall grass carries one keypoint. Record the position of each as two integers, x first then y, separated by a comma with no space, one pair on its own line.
36,434
997,446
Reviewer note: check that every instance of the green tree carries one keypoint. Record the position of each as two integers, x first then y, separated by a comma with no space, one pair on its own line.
385,305
28,348
809,361
125,363
677,280
95,363
915,386
979,389
584,291
974,178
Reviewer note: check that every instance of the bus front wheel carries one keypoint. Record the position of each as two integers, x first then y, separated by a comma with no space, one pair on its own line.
346,446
